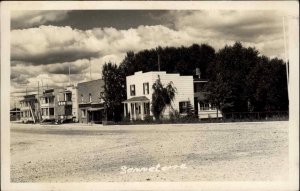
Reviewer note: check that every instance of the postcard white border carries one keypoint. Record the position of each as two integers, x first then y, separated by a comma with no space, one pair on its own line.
291,7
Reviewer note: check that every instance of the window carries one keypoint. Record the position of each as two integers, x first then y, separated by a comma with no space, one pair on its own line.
146,88
204,106
68,96
46,111
132,90
183,106
213,107
51,111
81,98
83,113
90,97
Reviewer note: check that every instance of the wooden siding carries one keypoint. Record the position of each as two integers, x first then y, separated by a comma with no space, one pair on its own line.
183,84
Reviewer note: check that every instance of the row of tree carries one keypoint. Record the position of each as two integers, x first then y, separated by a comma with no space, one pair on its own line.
240,79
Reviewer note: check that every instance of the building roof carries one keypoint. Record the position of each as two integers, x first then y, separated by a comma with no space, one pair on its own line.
137,99
28,99
48,95
100,81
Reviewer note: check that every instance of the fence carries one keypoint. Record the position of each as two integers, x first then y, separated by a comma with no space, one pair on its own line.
254,116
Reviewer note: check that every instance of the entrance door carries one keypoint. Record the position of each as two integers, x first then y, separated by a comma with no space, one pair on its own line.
90,116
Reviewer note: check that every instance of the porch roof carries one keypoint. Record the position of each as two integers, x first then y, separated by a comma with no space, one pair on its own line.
95,109
137,99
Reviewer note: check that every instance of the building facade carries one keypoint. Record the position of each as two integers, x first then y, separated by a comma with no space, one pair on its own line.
90,104
139,93
49,104
15,114
203,108
29,109
67,107
74,99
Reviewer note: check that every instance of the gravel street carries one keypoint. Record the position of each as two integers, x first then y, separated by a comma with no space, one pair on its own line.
190,152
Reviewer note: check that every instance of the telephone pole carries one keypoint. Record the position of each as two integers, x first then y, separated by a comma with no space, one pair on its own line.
90,69
69,73
158,61
285,51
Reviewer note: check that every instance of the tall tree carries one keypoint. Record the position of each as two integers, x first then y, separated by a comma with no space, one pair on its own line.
161,97
267,82
114,81
228,76
181,60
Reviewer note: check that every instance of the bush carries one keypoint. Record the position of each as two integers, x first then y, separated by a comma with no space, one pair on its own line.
174,116
148,119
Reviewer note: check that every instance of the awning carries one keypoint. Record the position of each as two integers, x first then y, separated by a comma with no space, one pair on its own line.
95,109
48,95
28,99
137,99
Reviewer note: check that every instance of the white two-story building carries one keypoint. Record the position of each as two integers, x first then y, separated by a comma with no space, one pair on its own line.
139,93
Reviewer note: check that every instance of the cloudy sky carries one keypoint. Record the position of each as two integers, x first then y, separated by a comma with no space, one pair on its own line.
45,43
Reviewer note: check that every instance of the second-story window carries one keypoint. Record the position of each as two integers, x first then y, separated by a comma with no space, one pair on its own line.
90,97
68,97
81,98
132,90
146,88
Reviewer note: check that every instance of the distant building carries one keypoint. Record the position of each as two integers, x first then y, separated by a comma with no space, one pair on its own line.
49,104
74,98
64,106
29,108
139,93
203,108
15,114
90,105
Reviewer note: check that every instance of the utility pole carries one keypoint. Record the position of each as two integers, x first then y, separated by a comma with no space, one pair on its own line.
38,103
69,73
158,61
42,85
285,51
90,69
158,58
38,89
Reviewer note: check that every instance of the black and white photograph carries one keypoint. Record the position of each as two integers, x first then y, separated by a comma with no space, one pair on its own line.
159,95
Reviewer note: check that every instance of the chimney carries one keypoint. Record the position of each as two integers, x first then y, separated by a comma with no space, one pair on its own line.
198,72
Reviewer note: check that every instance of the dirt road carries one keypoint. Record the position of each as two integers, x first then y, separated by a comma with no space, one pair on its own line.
210,152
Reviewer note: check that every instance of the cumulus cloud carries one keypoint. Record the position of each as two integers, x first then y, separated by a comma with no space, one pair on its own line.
225,27
51,44
47,51
26,19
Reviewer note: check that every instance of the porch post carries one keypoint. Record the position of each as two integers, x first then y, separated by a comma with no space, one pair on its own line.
130,112
199,109
142,110
125,110
134,111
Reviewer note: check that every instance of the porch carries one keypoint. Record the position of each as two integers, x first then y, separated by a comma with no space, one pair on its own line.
137,108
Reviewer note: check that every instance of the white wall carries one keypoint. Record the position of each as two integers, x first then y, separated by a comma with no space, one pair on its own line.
183,84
